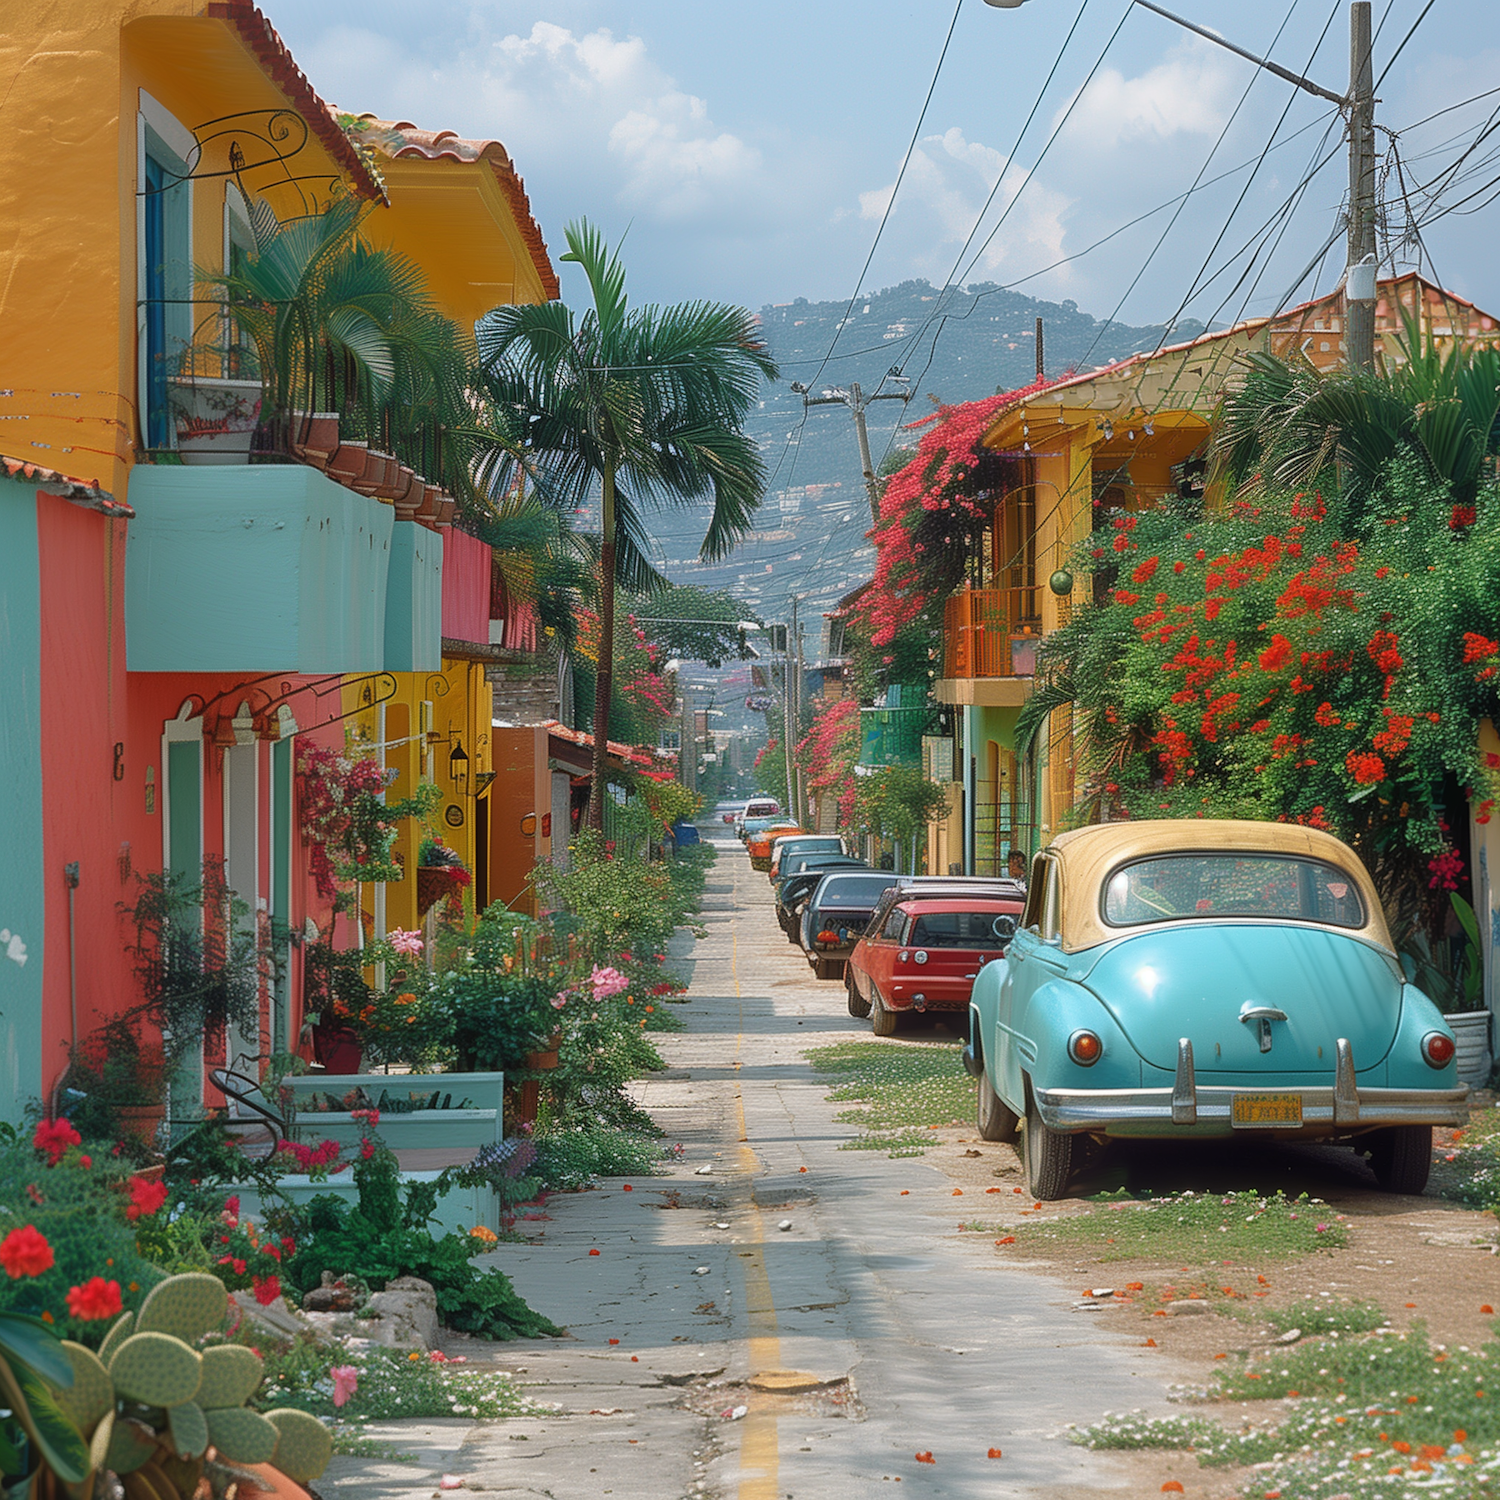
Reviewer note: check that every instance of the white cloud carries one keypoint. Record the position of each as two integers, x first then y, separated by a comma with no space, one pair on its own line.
1189,93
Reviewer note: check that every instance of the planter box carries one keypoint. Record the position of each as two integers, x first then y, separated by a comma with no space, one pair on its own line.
420,1129
1471,1030
459,1209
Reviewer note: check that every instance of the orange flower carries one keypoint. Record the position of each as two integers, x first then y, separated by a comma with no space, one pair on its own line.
1172,1487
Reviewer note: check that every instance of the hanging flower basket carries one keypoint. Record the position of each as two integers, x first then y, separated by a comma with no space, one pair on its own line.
436,883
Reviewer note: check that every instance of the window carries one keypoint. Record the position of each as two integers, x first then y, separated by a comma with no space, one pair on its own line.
164,285
1275,887
1036,890
985,930
893,925
1052,903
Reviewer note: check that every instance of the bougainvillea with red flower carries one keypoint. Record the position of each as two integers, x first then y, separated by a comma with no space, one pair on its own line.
1271,668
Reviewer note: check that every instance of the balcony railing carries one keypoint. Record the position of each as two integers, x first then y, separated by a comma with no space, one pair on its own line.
991,633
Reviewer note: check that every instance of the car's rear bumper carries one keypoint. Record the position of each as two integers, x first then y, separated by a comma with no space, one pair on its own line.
1162,1111
939,994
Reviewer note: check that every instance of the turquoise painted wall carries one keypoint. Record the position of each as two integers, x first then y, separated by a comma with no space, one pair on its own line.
414,600
261,567
22,887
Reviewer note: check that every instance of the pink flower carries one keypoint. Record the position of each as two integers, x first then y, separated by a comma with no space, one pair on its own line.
558,1001
607,982
345,1383
408,944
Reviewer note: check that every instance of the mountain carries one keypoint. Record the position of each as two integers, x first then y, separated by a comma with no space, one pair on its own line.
968,343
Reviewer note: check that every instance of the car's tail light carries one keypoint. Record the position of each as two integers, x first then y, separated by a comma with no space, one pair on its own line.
1085,1048
1438,1049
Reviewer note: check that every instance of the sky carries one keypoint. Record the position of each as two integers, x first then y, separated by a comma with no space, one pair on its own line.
747,152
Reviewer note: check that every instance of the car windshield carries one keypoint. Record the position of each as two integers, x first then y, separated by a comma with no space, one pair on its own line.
862,892
812,846
1271,886
962,929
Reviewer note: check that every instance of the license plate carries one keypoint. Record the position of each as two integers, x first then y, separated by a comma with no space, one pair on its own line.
1250,1111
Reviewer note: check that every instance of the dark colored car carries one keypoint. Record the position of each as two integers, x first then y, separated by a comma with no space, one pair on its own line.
798,883
806,843
923,952
837,913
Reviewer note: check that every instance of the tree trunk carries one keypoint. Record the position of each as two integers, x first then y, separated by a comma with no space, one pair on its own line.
604,680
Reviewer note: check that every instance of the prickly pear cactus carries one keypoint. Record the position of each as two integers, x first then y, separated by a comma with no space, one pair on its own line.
156,1369
242,1436
303,1446
186,1306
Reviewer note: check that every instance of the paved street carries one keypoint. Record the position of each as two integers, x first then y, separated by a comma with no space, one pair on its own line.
886,1330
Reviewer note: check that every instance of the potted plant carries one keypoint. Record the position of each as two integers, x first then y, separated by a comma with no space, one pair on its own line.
440,875
1469,1019
115,1085
216,418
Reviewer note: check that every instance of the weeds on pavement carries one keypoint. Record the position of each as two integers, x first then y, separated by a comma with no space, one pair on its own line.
1182,1226
905,1090
1381,1416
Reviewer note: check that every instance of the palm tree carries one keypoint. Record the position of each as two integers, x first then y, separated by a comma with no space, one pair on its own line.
649,404
1287,423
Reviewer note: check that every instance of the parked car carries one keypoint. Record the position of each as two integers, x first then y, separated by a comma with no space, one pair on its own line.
925,947
756,807
809,843
837,912
1207,979
758,845
800,876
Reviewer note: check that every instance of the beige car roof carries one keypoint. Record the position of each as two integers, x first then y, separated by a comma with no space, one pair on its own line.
1086,858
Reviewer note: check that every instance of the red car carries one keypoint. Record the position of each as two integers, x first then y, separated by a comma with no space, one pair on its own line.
924,954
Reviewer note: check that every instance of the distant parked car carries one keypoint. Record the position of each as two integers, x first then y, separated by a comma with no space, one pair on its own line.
758,845
1207,979
837,912
794,843
923,951
756,807
799,879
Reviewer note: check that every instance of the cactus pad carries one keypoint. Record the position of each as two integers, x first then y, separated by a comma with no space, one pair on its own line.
124,1327
130,1445
241,1436
156,1369
183,1474
92,1393
231,1375
304,1446
189,1429
186,1306
99,1443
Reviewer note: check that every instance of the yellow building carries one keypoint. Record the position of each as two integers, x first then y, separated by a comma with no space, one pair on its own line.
1064,456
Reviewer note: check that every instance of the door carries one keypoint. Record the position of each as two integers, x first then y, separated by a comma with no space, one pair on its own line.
182,860
281,889
242,874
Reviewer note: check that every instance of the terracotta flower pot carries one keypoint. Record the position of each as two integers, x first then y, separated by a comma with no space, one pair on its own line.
432,498
315,436
270,1484
542,1062
447,508
411,495
434,883
380,468
338,1049
141,1120
348,463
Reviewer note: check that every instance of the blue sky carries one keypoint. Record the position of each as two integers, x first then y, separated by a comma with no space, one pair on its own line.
750,149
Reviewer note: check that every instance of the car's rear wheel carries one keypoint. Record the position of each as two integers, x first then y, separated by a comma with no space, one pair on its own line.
1401,1157
859,1007
997,1120
882,1017
1048,1155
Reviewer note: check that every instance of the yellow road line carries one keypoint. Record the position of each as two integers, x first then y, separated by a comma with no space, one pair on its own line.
759,1443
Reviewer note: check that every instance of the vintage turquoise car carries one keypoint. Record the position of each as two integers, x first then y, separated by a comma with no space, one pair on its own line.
1207,979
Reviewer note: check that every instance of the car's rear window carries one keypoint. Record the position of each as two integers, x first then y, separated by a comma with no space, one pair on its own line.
855,892
1272,886
962,929
814,846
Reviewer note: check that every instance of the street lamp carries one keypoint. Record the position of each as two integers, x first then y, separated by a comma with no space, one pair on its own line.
1359,103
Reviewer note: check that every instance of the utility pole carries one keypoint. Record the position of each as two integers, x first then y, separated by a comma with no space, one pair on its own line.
1359,289
1359,105
856,400
1041,359
800,806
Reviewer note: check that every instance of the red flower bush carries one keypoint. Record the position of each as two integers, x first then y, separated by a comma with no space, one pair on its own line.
95,1299
25,1252
56,1138
146,1198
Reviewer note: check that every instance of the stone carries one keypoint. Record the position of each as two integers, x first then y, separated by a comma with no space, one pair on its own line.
1186,1309
784,1225
1290,1336
332,1296
405,1314
276,1317
701,1271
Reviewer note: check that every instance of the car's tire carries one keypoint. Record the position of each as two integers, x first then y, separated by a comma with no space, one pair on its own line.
859,1007
882,1017
1401,1157
997,1121
1048,1155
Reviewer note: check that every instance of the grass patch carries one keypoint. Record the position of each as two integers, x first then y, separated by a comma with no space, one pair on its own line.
1316,1315
1185,1226
904,1089
1388,1416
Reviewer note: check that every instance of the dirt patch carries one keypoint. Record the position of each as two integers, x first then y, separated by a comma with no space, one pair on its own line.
778,1392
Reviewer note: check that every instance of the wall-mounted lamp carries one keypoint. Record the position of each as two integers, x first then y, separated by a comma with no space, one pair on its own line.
458,768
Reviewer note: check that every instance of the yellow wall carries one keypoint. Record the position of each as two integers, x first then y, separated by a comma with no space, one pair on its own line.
68,162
